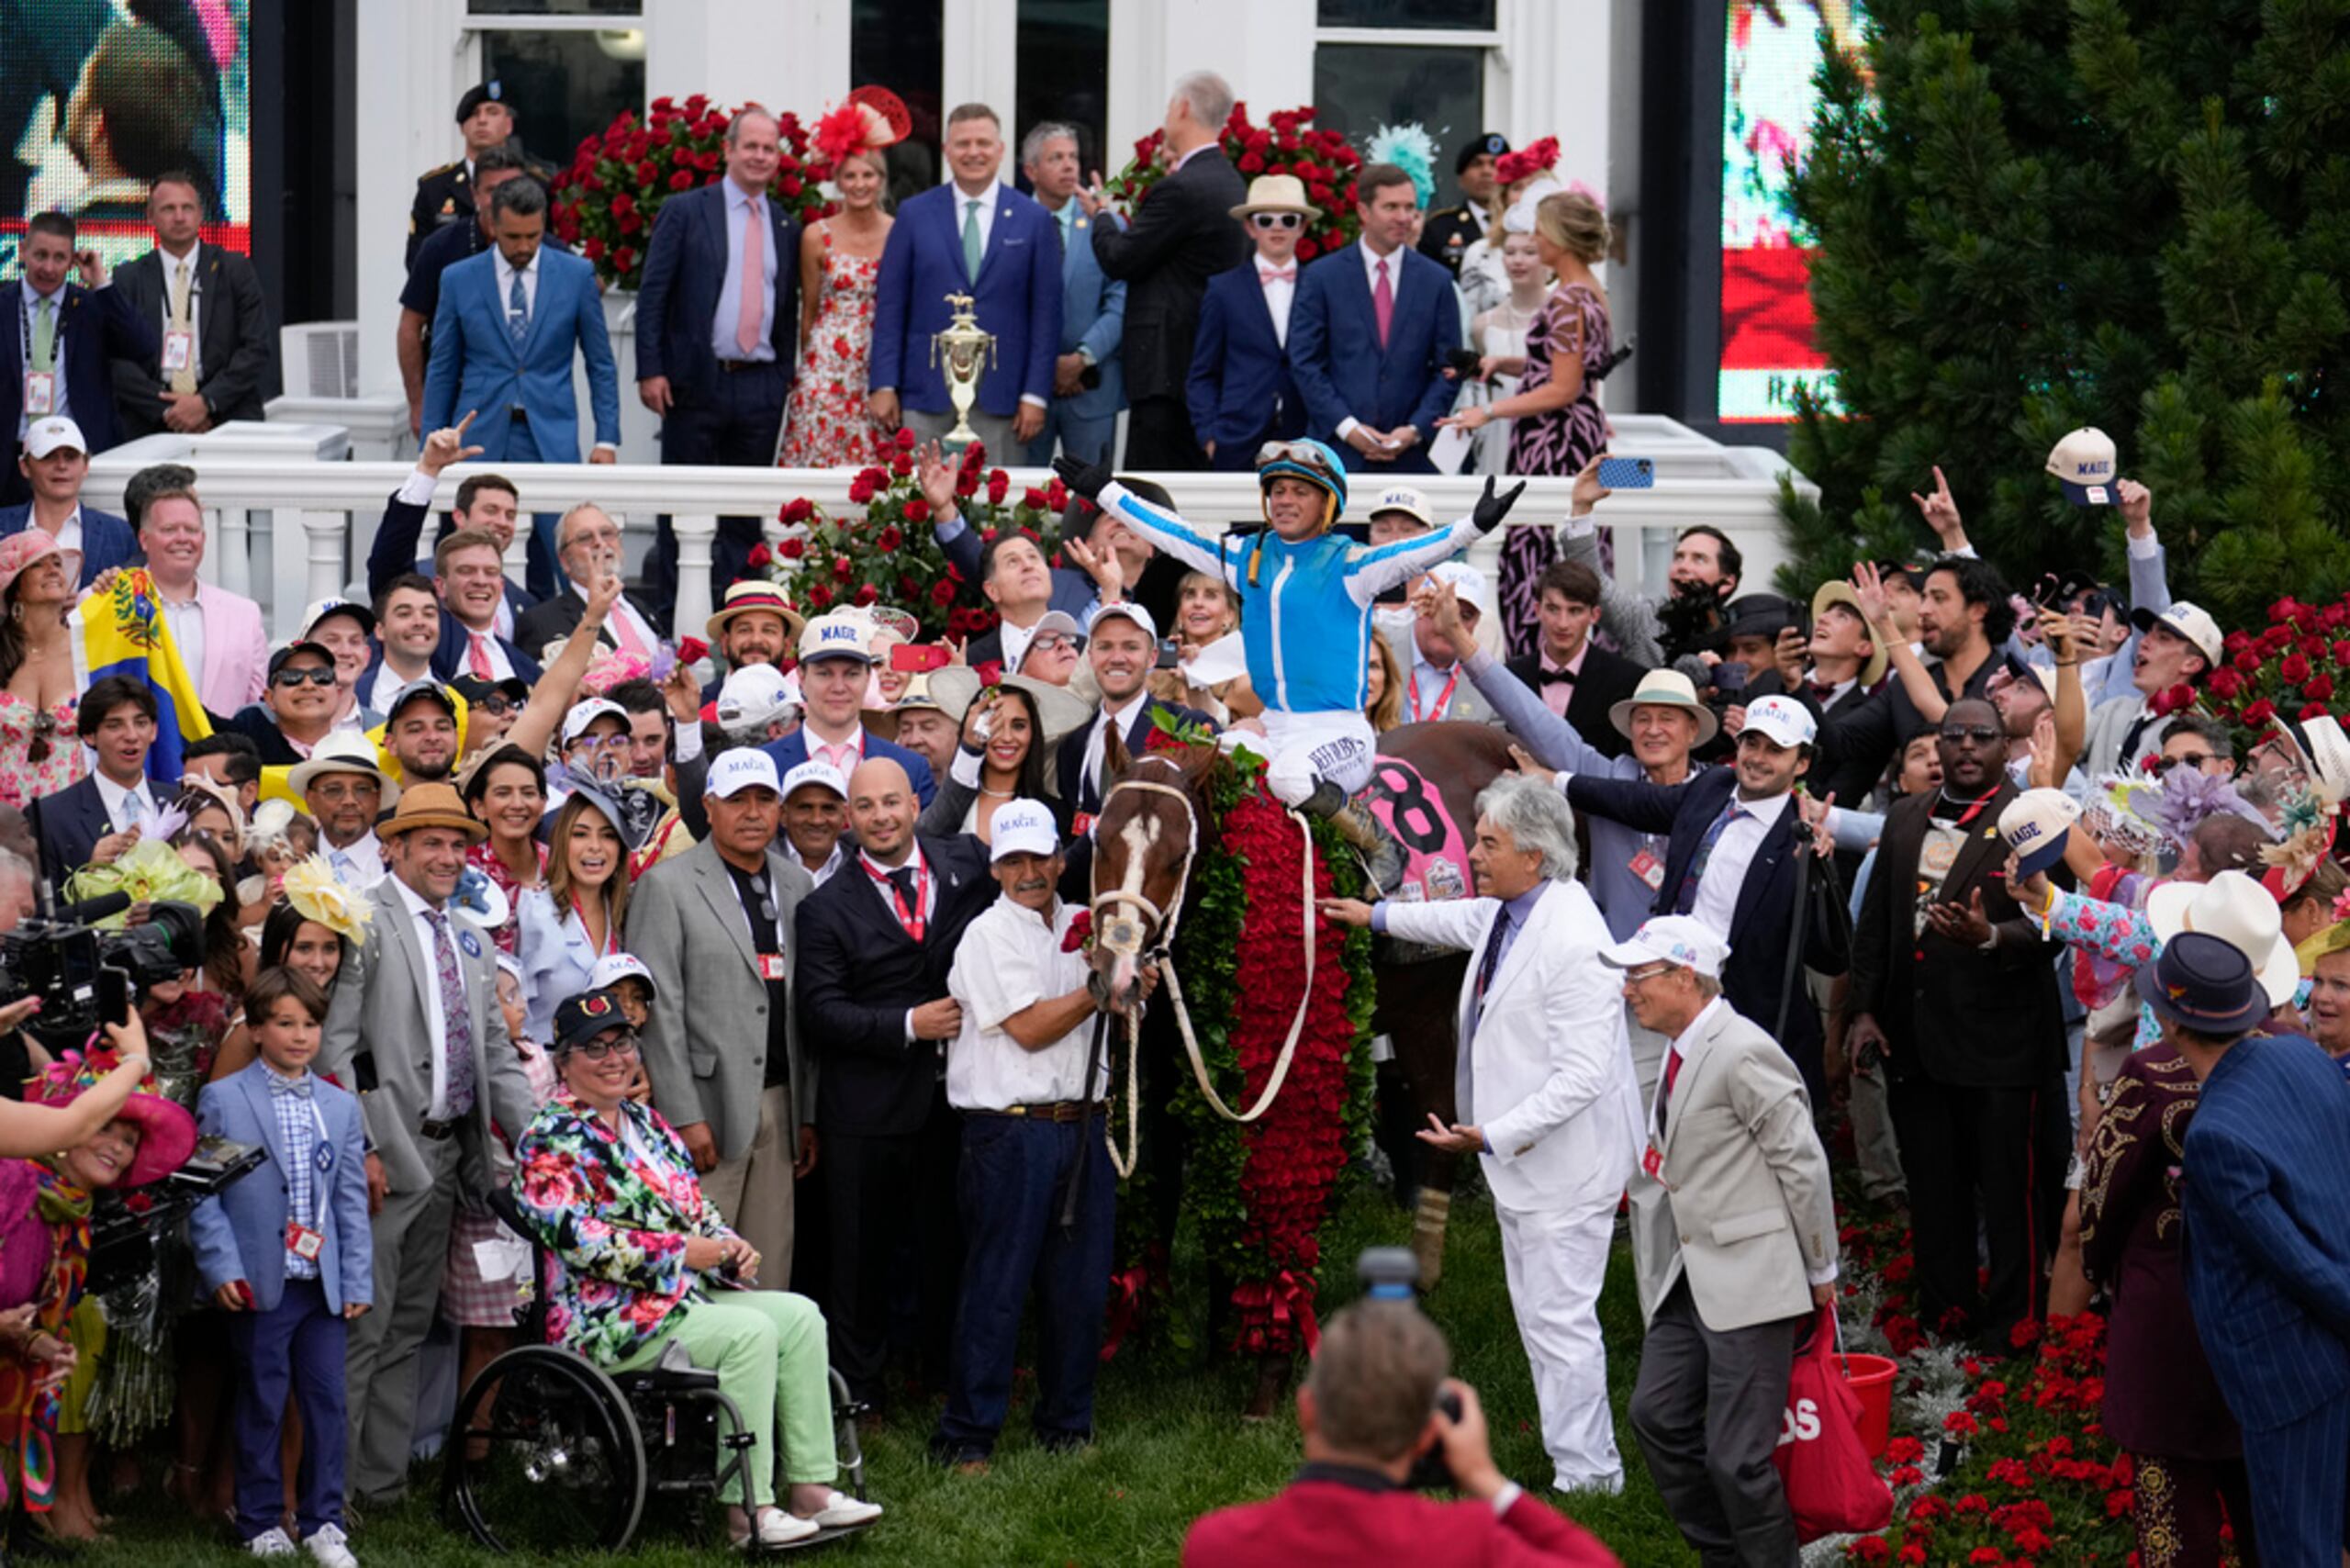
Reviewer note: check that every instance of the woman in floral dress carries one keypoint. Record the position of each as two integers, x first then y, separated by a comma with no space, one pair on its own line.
825,421
1558,423
39,753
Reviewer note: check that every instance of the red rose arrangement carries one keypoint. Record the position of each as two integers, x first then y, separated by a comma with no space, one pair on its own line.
1287,143
2292,668
604,204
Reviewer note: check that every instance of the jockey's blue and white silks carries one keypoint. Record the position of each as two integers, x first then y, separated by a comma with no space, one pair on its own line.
1305,621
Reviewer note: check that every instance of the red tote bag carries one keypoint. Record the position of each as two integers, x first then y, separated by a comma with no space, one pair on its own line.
1833,1487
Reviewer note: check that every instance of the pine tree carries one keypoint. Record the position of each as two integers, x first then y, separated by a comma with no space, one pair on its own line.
2132,214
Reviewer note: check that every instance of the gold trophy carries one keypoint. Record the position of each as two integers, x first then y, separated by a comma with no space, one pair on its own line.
968,350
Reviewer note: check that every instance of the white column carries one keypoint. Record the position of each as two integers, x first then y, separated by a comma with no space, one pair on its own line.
325,532
409,54
230,553
696,538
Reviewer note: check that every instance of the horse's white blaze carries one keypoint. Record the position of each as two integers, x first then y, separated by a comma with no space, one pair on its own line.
1138,834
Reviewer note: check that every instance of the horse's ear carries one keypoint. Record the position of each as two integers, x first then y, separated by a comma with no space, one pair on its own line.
1115,758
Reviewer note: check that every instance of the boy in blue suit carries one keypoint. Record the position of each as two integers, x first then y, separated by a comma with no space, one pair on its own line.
975,236
1372,331
1241,393
286,1252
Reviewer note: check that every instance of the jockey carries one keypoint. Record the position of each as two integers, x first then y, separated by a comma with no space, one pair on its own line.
1306,605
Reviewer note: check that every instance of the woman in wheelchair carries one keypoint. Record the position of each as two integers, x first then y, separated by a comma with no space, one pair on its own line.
643,1260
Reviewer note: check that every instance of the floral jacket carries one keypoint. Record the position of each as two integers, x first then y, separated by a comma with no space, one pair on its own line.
616,1218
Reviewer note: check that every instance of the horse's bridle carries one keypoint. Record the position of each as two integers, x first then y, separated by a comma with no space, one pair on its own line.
1120,933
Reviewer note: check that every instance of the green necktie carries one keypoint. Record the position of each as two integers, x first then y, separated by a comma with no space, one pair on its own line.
45,334
971,246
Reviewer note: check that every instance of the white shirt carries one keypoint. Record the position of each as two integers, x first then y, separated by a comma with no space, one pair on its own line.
358,865
729,314
1278,296
115,798
174,269
988,199
819,748
820,875
436,1005
500,666
185,618
387,683
1009,959
506,282
1015,639
1428,692
1716,899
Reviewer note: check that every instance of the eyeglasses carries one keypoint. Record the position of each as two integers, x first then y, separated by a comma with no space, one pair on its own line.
1635,976
1981,734
593,742
306,676
1276,220
2195,759
597,1049
1054,641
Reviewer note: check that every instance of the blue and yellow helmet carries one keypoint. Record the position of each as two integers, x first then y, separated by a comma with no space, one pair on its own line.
1314,463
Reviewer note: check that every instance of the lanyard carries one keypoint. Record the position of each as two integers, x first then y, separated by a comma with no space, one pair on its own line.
910,920
1443,698
1976,809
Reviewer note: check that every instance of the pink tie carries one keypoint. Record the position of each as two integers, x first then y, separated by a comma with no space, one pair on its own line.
843,757
1280,274
477,657
754,304
1382,302
624,632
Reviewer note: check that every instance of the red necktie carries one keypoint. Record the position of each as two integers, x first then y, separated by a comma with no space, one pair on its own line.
754,303
477,657
1382,302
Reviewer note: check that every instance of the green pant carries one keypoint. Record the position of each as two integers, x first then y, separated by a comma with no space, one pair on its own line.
768,1349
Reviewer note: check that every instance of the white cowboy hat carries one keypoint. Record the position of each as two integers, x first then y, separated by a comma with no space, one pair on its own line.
2240,911
1277,193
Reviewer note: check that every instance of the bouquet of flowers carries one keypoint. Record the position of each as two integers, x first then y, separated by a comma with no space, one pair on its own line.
1287,143
605,203
2293,668
888,554
149,872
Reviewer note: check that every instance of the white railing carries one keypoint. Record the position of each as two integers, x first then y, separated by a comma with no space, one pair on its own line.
291,531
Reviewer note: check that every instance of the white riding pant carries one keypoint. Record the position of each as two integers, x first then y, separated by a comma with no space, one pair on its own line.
1306,748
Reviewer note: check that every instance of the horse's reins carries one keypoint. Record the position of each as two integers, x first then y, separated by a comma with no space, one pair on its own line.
1124,935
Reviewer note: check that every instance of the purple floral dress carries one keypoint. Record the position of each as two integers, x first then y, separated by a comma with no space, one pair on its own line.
1557,444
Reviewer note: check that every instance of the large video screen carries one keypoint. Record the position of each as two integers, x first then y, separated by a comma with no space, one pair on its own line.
1771,51
99,96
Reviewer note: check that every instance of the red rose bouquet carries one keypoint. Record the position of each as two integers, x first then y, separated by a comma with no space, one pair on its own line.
605,203
2292,668
1286,144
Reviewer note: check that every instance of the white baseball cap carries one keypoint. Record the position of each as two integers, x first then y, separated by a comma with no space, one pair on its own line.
2034,825
1405,499
752,696
1024,827
324,608
582,714
619,966
732,772
2190,622
824,775
1468,582
45,436
2084,464
836,636
1124,609
1782,721
1679,939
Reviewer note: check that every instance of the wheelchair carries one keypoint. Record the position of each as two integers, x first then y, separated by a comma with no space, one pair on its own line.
550,1454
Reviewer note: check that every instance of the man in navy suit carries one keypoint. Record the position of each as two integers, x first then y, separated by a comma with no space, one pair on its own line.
716,317
2266,1200
1241,392
471,575
70,331
503,337
975,236
485,501
1372,333
116,722
1089,377
55,463
835,665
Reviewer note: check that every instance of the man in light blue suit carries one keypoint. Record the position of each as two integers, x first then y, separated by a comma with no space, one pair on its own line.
1089,378
974,236
503,336
1372,333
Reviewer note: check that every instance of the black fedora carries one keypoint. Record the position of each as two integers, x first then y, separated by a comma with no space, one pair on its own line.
2204,983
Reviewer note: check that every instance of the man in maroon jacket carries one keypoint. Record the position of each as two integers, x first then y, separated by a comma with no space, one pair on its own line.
1367,1412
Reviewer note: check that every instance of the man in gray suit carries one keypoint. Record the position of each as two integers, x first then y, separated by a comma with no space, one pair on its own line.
416,1030
722,1044
1733,1246
1089,374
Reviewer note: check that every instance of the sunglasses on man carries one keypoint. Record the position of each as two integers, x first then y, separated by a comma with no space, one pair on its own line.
310,675
1276,220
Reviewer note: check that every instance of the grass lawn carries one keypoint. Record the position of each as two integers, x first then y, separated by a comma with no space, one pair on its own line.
1170,1447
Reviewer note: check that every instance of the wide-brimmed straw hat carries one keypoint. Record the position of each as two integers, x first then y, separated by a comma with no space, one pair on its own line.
1664,688
1278,192
431,805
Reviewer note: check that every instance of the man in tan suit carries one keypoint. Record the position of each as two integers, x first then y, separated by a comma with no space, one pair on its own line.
1733,1245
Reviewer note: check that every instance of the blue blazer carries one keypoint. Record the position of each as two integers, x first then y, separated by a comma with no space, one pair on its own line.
68,825
92,328
1093,317
1241,386
1017,296
449,658
792,750
477,365
1334,352
107,540
2267,1200
240,1233
684,268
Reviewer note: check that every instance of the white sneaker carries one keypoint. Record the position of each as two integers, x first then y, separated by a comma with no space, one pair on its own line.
330,1547
778,1527
271,1542
841,1511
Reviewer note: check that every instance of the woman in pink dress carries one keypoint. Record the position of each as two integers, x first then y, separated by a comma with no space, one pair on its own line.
824,422
39,753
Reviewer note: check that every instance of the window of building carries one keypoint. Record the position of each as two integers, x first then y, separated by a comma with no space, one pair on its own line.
567,67
1064,75
1476,14
901,45
1358,87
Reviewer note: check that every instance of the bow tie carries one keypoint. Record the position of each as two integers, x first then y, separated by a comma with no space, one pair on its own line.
1821,690
1555,677
1277,275
297,1086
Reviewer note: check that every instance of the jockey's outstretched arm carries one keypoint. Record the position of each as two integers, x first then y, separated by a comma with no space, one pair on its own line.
1375,571
1165,528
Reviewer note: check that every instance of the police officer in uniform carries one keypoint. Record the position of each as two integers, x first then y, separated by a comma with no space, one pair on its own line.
445,195
1450,231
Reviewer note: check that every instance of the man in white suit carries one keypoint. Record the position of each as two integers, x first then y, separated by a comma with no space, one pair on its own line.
1733,1243
1543,1094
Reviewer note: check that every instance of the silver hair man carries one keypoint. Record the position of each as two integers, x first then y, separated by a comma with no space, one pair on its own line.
1031,144
1209,95
1537,817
